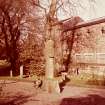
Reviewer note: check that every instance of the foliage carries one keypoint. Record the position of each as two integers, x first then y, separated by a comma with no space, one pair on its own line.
14,25
21,26
32,55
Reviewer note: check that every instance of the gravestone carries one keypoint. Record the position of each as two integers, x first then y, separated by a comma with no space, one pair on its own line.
11,74
21,71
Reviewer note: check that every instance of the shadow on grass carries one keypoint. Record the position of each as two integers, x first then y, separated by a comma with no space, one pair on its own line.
17,99
96,82
89,100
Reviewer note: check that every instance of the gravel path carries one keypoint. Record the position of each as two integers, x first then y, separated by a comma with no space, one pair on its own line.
23,93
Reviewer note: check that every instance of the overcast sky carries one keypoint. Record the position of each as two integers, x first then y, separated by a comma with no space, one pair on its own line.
96,10
89,11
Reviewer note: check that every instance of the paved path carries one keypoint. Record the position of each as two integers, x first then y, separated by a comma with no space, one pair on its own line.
23,93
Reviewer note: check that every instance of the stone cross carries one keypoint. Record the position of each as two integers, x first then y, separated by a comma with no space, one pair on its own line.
49,50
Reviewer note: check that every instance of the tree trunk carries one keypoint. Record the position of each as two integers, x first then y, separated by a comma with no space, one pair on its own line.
14,57
70,46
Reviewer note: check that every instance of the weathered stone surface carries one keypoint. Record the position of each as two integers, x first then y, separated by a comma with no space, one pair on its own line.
50,68
21,71
52,86
49,48
49,56
11,74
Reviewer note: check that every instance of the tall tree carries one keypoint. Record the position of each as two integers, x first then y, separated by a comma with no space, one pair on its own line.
14,21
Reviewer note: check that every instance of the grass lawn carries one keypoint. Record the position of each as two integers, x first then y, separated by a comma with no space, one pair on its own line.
87,80
83,80
17,78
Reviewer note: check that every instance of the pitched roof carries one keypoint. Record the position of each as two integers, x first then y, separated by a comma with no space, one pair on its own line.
69,24
85,23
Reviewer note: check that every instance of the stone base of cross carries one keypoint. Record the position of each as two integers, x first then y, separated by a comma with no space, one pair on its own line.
52,86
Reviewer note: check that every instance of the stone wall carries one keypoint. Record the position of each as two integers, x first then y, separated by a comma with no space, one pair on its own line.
90,49
92,38
88,53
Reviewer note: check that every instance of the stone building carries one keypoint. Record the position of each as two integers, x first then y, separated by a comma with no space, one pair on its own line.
88,47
